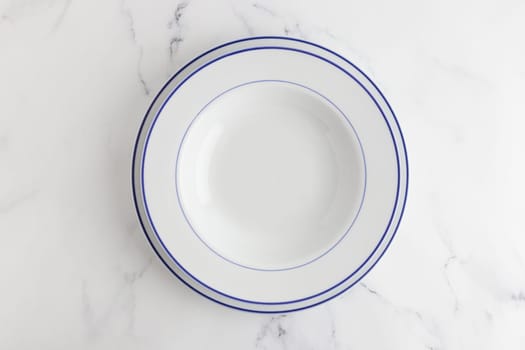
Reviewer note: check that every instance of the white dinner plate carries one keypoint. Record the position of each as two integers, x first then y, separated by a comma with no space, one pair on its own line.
270,174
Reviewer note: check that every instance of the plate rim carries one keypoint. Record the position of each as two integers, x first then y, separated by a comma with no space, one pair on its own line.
216,290
398,207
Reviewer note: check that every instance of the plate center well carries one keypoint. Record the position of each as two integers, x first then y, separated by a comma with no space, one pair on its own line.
270,175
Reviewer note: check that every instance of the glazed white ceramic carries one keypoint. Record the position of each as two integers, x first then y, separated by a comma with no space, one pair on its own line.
270,174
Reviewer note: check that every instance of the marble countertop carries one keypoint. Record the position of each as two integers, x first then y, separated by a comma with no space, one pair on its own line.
75,269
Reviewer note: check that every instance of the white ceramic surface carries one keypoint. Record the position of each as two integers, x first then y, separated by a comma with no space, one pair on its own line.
271,175
75,80
366,209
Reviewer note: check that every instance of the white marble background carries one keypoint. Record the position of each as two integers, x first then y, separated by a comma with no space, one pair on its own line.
75,269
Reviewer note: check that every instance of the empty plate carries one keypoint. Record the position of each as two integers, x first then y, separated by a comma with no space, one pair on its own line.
270,174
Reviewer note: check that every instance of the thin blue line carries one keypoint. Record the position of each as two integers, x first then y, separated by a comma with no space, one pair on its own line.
311,260
141,128
153,225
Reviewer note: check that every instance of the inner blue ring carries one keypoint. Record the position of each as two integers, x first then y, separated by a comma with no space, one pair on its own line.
338,240
391,134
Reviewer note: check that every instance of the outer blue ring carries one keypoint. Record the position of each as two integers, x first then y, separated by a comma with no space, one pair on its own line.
338,240
138,141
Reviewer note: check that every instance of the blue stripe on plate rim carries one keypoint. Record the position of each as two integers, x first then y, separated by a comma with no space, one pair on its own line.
153,225
403,204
